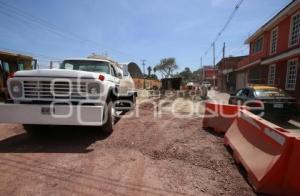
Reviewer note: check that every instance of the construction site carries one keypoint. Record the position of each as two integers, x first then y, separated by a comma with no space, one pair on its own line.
148,98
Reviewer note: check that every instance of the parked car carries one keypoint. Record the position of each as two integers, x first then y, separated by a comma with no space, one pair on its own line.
268,101
206,84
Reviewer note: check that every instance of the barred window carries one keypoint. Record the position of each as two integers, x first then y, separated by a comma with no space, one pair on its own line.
291,75
257,45
274,38
271,75
295,30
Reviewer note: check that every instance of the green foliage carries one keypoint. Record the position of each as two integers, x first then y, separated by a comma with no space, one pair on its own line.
166,67
149,70
186,75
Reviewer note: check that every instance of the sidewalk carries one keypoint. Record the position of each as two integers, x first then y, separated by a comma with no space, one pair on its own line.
218,96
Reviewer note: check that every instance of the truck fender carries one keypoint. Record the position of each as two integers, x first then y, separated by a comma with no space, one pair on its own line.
112,94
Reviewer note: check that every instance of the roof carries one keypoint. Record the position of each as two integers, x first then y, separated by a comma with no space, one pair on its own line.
86,59
10,54
281,15
237,58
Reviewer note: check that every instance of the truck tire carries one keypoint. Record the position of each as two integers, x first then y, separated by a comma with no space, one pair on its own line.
133,99
109,116
131,105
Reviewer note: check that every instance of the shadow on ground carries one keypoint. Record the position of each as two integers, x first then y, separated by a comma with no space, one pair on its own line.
58,139
286,125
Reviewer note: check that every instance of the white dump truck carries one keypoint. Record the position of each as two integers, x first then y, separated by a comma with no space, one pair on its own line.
83,92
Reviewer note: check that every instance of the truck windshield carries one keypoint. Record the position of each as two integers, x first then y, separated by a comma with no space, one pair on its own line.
92,66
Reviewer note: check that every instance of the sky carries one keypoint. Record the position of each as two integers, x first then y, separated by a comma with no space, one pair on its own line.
131,30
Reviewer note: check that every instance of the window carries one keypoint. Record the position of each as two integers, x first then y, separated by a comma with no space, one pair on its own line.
273,41
246,93
295,30
86,65
113,71
21,66
69,66
239,93
6,67
257,45
291,75
271,75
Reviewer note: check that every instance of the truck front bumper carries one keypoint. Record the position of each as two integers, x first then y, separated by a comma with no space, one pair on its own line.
51,115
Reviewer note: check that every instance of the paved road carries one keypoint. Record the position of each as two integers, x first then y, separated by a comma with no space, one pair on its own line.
143,156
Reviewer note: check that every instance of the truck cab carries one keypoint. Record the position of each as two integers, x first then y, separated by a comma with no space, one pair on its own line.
83,92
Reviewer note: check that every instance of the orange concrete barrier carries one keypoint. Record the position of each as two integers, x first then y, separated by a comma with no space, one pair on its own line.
292,182
268,153
219,117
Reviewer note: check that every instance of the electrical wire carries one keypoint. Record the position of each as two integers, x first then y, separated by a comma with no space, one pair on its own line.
33,54
237,6
19,14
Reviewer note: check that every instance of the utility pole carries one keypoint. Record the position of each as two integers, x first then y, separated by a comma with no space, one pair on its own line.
51,64
214,63
143,63
201,62
214,54
224,47
200,71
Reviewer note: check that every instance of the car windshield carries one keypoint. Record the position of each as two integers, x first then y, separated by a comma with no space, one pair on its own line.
270,93
92,66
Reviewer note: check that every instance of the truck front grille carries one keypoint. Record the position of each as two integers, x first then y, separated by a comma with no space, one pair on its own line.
45,90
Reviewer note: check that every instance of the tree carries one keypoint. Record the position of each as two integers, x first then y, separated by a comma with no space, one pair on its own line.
166,66
186,75
149,71
153,76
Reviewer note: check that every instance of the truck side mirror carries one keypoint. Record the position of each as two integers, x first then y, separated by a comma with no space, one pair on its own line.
125,70
119,75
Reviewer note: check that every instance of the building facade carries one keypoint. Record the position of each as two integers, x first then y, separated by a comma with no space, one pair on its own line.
274,53
209,73
226,73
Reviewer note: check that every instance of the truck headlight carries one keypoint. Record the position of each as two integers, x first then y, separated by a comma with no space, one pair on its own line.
93,89
16,88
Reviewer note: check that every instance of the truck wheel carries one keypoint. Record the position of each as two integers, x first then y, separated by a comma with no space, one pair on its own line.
133,99
109,115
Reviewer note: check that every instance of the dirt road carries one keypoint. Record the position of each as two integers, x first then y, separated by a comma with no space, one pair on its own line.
143,156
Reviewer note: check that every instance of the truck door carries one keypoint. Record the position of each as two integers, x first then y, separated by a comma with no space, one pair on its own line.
114,75
115,79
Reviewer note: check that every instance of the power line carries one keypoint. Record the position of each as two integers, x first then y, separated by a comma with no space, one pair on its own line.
33,54
237,6
22,15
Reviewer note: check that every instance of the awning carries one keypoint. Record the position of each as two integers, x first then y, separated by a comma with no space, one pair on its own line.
281,56
249,65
